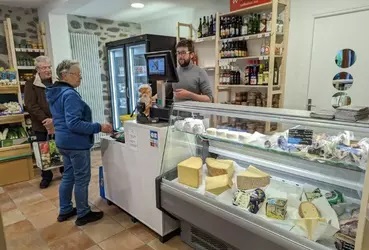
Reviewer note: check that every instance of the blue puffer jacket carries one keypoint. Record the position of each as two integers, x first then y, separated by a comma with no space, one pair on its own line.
72,118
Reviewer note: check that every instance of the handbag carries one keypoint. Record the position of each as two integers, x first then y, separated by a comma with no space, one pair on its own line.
47,154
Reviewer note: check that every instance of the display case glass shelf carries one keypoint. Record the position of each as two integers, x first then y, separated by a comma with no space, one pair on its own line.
297,187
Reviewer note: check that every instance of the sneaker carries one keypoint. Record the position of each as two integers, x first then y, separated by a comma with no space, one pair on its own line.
90,217
64,217
44,184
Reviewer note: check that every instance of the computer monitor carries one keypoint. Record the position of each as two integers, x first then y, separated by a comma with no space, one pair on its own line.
160,66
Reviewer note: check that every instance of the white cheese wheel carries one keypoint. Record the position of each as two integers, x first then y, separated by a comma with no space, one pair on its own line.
233,135
222,133
211,131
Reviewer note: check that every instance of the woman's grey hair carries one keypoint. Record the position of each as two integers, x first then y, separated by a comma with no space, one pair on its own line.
64,67
41,59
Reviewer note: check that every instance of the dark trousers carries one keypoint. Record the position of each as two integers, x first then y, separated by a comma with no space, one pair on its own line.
48,174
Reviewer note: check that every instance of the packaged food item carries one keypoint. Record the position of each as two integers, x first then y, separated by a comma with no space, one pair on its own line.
257,197
241,199
308,210
313,195
334,197
349,227
276,208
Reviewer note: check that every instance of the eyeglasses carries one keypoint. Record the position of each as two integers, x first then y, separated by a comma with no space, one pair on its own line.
182,53
76,74
44,67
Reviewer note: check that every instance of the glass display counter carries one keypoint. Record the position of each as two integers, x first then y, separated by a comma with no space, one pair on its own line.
235,185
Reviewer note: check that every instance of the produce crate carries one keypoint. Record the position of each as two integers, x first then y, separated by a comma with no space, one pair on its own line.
47,155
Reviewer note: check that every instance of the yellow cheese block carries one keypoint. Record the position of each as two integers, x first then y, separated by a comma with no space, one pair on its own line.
308,210
252,178
219,167
189,172
218,184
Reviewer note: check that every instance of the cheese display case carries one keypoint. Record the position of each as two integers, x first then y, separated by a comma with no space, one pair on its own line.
300,186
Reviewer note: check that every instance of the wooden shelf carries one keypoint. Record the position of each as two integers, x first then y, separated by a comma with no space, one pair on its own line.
247,58
29,50
8,119
205,39
8,89
16,147
241,86
250,37
253,9
26,67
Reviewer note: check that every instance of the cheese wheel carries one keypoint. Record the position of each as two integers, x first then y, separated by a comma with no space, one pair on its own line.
252,178
222,133
218,184
219,167
233,135
189,172
308,210
211,131
244,137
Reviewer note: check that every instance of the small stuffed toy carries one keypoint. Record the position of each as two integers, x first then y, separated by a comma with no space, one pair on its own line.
145,95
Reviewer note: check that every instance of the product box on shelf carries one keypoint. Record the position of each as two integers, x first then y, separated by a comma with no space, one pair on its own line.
243,4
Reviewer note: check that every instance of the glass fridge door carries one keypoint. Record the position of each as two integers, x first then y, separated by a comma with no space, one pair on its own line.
118,85
137,70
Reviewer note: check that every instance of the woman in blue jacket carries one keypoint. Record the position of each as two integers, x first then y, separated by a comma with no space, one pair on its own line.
74,137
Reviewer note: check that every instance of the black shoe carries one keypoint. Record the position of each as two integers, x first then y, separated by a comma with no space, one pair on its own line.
44,184
64,217
90,217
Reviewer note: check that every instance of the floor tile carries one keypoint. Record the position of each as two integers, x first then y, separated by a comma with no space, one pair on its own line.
35,181
58,230
174,244
74,241
28,241
145,247
1,190
51,192
37,208
44,220
124,219
96,247
109,210
17,230
29,200
122,241
143,233
20,190
12,216
102,229
6,203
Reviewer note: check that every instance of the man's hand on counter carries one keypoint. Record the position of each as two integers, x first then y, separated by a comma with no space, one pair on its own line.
182,94
106,128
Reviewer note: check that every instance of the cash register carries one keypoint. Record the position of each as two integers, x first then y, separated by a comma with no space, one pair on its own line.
161,72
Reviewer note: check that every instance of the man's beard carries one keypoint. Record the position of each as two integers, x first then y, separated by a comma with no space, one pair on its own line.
185,63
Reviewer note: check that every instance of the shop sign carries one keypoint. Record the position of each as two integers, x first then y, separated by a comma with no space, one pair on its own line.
154,139
243,4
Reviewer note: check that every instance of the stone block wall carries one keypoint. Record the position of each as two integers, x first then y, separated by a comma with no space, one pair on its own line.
24,28
106,31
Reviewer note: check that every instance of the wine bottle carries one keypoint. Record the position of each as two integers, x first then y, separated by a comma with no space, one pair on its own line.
199,30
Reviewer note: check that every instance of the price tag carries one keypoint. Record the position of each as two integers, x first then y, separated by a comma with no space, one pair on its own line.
241,38
213,38
260,35
261,58
200,40
267,34
300,136
247,37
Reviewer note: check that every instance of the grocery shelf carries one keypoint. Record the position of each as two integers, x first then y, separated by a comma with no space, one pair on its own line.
254,9
247,58
15,147
26,67
249,37
9,89
8,119
205,39
29,50
241,86
209,68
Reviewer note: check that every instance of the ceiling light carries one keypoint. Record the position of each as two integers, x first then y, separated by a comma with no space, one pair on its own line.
137,5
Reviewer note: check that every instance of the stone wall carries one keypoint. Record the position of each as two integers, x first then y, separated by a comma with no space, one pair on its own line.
24,28
106,31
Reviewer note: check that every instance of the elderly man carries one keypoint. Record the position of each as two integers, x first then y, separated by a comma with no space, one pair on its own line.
38,108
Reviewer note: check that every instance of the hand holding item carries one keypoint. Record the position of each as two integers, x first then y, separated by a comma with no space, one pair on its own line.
48,122
106,128
51,130
182,94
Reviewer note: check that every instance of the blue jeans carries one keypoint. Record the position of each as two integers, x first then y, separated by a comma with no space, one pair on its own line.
77,173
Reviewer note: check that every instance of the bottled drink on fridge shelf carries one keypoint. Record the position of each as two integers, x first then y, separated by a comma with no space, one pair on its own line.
233,49
276,74
263,23
204,28
230,75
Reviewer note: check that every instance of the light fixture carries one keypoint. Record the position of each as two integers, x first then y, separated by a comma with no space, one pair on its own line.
137,5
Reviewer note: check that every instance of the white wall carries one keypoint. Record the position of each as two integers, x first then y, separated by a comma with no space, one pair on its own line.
300,44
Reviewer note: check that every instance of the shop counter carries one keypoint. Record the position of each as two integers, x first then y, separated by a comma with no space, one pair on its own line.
130,170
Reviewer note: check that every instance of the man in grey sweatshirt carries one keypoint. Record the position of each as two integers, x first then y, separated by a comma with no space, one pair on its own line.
193,82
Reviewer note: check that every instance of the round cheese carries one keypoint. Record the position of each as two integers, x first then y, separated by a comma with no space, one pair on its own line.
211,131
233,135
222,133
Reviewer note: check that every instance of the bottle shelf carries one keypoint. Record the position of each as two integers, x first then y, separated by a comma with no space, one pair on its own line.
229,60
29,50
205,39
249,37
26,67
254,9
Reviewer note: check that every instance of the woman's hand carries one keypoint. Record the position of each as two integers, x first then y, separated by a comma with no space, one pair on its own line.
107,128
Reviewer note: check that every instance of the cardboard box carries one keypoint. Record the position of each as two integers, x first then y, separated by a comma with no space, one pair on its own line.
243,4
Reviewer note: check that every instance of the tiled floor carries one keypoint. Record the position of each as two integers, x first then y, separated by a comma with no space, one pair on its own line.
29,216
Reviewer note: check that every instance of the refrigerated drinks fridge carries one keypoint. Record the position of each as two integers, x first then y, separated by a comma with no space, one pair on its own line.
127,70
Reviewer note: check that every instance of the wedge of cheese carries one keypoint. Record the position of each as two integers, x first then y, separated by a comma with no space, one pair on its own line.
218,184
310,225
252,178
219,167
189,172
